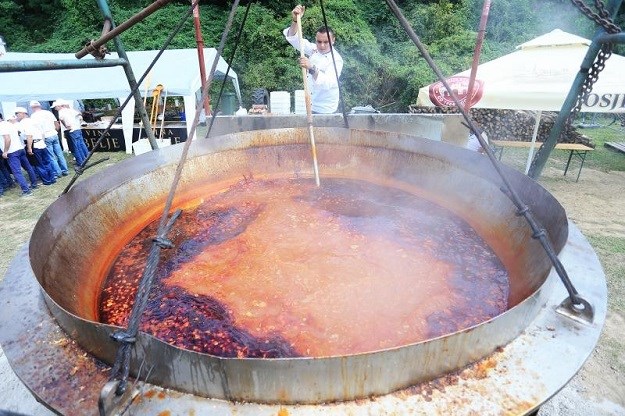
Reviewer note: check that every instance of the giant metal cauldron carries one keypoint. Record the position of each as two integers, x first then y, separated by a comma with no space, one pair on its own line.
509,364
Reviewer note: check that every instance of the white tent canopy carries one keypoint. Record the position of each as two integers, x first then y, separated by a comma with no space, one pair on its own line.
177,70
538,76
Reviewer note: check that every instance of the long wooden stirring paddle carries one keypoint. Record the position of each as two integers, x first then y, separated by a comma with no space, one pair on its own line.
308,102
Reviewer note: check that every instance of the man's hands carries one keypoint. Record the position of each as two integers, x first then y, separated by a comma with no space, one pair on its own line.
304,62
298,10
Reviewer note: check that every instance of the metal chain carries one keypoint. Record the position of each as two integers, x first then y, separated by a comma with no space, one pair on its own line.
602,10
593,75
602,19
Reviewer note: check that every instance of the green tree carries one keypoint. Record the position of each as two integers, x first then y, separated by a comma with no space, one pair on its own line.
27,22
382,65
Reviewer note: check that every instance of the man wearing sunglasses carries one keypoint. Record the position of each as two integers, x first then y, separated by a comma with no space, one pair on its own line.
322,78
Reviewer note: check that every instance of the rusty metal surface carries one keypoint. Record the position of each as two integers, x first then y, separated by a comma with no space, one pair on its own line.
52,365
68,242
513,380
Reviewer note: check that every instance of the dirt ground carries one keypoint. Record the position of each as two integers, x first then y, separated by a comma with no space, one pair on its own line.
596,204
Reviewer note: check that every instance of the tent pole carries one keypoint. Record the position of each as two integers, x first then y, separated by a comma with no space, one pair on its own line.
530,155
200,55
132,81
476,53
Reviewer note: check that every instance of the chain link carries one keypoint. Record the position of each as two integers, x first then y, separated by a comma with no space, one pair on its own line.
593,75
602,18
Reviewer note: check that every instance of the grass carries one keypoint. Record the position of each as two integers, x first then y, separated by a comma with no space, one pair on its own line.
611,253
19,215
603,158
610,250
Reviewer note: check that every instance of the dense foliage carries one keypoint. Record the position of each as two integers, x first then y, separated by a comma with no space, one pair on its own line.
382,65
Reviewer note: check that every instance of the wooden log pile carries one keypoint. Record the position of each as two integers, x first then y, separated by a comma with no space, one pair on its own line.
512,124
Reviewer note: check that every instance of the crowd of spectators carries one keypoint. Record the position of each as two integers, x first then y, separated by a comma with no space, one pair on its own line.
31,146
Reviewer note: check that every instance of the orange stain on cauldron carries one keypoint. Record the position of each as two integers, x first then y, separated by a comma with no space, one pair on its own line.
278,268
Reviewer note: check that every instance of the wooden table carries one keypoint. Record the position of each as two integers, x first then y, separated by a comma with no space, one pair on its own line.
575,149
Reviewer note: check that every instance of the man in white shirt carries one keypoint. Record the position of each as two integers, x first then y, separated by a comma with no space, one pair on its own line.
50,127
13,151
473,142
72,121
6,180
322,78
36,146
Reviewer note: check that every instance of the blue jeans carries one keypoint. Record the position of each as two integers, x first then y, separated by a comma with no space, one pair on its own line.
59,164
79,146
6,181
18,160
44,166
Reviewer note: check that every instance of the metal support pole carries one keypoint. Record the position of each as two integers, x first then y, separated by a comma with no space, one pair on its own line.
476,53
574,306
24,66
611,38
200,55
132,81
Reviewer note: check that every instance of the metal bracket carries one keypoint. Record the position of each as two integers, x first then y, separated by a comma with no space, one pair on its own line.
582,312
110,404
98,52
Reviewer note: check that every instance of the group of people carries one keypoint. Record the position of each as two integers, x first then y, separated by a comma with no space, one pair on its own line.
30,142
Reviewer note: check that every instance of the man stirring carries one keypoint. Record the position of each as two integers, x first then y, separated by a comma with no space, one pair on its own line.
322,78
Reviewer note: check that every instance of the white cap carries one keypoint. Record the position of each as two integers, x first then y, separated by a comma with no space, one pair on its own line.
59,102
20,110
35,103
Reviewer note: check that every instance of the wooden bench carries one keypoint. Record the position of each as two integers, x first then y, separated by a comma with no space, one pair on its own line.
575,149
620,146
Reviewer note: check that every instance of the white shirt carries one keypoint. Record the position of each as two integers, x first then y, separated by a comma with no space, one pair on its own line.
70,118
324,90
31,128
474,144
46,122
10,129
